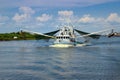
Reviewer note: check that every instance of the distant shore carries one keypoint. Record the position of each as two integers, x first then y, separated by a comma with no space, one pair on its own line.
19,36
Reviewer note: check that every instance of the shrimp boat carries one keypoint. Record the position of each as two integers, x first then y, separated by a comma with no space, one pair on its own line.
65,38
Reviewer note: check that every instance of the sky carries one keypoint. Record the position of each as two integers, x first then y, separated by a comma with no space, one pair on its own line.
48,15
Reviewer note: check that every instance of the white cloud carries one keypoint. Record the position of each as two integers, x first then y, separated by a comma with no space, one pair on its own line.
20,18
113,17
44,18
65,13
113,20
86,19
65,16
26,10
25,16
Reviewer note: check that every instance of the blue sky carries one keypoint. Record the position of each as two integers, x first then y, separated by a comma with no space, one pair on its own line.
48,15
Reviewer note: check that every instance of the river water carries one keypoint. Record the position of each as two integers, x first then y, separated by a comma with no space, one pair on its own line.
33,60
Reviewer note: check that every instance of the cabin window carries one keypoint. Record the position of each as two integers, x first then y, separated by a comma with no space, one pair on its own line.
62,33
67,37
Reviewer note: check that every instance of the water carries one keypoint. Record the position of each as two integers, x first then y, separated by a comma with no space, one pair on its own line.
33,60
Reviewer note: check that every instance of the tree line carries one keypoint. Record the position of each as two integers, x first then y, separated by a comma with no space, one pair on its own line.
19,36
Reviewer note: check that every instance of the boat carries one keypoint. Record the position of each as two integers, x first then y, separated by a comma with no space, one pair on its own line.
65,38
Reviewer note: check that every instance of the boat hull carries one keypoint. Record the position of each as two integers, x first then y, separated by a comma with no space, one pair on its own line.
68,45
62,45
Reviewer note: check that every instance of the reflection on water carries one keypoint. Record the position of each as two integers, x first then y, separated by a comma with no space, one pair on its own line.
29,60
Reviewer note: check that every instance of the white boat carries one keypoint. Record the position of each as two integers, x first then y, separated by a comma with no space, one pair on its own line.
65,37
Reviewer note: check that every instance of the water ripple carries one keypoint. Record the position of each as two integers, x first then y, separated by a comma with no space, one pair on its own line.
27,60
